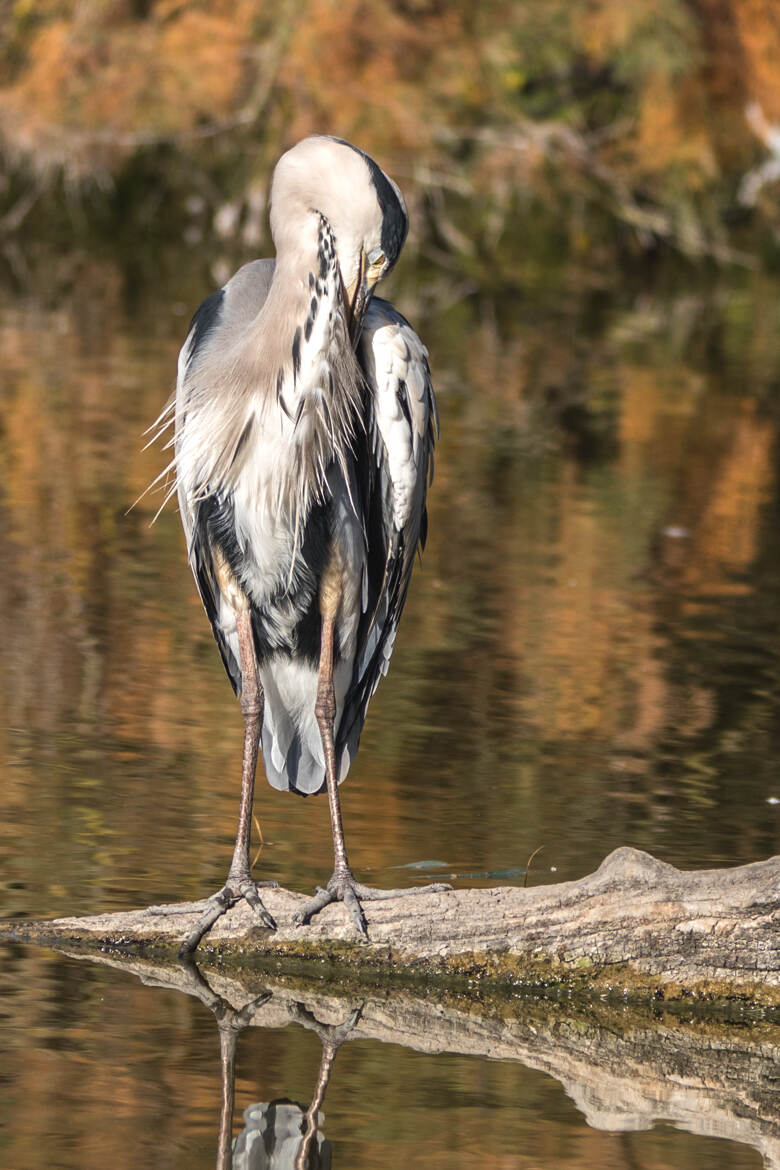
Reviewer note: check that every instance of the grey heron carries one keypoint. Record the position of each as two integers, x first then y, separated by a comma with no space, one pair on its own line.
305,422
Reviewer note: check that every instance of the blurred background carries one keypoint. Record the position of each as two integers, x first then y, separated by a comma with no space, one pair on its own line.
590,655
590,652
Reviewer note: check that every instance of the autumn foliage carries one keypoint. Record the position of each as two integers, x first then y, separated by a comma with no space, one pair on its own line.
635,109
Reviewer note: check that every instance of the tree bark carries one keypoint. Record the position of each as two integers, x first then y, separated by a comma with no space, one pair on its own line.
637,928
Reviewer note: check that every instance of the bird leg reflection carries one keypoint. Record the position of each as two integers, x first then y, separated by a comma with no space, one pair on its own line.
229,1022
240,883
332,1038
227,1065
282,1133
342,886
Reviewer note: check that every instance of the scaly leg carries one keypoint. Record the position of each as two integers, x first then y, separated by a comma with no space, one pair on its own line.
342,886
240,883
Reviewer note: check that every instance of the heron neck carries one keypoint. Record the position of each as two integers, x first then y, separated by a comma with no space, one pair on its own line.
302,320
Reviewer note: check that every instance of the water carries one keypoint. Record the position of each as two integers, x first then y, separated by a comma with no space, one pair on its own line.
100,1070
589,658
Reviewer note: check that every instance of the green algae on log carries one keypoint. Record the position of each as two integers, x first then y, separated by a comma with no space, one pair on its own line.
637,927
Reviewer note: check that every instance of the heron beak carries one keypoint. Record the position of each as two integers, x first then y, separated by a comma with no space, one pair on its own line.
358,296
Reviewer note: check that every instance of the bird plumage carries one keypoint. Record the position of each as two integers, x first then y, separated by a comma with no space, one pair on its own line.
303,449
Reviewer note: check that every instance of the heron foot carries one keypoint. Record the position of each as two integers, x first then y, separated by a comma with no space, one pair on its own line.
218,904
331,1036
342,887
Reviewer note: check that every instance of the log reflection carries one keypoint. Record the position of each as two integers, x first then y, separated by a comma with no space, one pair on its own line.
625,1067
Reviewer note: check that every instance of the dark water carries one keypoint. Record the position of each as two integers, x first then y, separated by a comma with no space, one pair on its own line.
589,658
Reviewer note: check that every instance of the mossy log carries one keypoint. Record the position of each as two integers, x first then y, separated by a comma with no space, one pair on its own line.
636,928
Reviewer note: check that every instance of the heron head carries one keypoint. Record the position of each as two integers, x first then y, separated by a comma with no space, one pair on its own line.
363,206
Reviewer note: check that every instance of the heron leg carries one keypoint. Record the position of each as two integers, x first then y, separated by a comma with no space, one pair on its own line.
325,711
240,883
342,886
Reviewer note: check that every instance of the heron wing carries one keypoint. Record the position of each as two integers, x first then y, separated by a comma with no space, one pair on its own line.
395,469
207,510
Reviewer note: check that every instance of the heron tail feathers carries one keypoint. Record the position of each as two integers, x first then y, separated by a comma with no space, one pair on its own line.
291,741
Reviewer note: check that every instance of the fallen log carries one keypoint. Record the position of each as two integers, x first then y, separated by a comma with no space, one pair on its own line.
636,928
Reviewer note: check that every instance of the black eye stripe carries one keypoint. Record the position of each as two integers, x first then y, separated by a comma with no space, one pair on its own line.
394,220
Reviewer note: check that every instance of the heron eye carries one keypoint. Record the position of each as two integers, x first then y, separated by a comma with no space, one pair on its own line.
376,258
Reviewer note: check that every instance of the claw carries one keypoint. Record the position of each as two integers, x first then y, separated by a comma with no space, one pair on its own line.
358,917
247,1012
249,892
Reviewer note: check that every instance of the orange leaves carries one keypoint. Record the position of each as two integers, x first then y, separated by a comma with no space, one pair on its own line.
635,107
98,88
758,25
203,65
364,66
674,131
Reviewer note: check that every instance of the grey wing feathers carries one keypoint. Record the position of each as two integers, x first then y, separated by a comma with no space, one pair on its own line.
204,513
402,427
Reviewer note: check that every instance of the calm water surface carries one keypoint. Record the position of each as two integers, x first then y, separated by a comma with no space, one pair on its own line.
589,658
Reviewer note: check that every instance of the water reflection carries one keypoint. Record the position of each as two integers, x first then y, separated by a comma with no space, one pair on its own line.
283,1134
590,658
624,1069
280,1134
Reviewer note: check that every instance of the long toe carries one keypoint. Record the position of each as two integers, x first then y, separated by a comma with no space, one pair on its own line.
249,893
352,903
220,903
342,887
321,899
216,907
